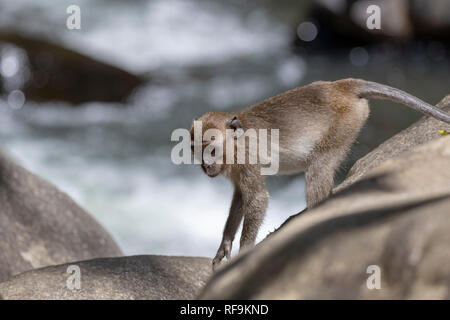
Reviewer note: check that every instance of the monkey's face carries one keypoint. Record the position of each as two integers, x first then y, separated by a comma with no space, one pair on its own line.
212,170
208,145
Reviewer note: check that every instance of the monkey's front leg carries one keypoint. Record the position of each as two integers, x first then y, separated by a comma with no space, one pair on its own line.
231,226
254,210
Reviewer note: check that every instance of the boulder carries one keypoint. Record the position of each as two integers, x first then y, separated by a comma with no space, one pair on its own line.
58,73
42,226
390,223
137,277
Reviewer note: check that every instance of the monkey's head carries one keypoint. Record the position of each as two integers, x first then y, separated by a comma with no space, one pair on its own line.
209,140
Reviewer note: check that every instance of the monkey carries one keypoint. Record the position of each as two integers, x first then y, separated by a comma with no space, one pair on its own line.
317,125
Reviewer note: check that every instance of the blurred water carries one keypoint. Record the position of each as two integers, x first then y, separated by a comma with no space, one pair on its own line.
114,159
143,35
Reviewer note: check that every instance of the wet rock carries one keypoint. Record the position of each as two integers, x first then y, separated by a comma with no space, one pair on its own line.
137,277
57,73
42,226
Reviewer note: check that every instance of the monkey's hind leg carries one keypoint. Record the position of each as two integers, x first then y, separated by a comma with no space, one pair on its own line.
320,176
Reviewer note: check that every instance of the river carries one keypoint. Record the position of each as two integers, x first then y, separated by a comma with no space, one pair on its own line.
114,159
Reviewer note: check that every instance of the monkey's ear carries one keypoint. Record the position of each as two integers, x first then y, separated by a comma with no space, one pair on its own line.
236,125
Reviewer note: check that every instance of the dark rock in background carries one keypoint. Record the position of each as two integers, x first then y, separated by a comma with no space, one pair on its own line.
342,24
431,19
136,277
42,226
57,73
424,130
395,216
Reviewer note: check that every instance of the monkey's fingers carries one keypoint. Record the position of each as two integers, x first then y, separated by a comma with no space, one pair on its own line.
224,251
216,263
218,258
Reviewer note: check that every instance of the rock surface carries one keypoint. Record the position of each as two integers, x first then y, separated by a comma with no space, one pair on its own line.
394,214
41,226
137,277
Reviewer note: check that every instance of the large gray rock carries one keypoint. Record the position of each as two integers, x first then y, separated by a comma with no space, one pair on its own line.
137,277
41,226
396,216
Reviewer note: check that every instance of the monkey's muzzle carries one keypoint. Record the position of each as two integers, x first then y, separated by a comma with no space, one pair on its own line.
211,170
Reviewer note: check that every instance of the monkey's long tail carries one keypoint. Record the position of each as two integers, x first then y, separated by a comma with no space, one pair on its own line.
375,90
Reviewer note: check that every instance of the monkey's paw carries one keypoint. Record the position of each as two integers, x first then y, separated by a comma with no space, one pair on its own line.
224,251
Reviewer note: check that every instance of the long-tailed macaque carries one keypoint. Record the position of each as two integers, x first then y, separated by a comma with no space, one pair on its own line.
317,125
